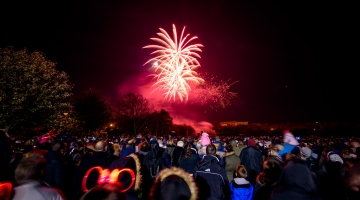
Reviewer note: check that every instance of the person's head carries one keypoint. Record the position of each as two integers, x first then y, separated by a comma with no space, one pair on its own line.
270,172
188,150
229,148
240,171
105,191
56,147
145,147
174,184
211,150
116,147
100,146
180,144
352,178
170,142
29,169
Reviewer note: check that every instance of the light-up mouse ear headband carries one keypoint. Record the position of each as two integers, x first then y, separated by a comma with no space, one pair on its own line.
108,177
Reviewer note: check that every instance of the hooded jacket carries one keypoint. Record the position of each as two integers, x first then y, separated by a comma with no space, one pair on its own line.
231,161
211,179
241,189
251,158
295,182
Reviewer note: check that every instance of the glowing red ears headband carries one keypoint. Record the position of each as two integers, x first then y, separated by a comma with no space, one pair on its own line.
107,177
5,190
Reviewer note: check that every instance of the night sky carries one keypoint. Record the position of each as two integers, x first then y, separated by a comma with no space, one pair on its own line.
294,62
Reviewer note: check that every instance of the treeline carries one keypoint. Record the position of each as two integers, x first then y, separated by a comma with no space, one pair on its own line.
336,129
35,98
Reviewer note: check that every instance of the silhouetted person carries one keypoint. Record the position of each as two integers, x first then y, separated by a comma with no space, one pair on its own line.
99,158
211,177
28,174
251,158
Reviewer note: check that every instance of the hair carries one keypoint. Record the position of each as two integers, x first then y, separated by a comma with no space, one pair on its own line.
170,142
274,148
241,171
229,148
211,150
289,157
145,146
105,191
30,168
116,147
188,150
270,173
100,146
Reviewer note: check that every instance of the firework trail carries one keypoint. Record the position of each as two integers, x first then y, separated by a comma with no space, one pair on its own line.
174,64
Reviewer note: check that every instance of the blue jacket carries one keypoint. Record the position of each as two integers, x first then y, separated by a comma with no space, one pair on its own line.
241,192
287,149
126,151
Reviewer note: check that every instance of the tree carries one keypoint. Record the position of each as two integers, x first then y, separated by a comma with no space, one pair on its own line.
161,122
133,113
183,130
91,110
33,93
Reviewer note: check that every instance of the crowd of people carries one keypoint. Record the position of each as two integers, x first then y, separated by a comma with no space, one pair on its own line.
173,168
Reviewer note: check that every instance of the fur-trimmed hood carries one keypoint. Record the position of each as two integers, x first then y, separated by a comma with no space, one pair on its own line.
174,183
138,178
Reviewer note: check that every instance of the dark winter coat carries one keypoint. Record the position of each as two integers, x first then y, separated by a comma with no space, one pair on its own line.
211,179
170,150
152,164
295,183
252,159
188,164
177,153
54,168
262,191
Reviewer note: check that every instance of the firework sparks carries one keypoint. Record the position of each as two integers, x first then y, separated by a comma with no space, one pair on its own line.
174,64
215,94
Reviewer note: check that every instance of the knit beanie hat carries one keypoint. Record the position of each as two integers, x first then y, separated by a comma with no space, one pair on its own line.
333,157
251,142
205,140
305,152
180,144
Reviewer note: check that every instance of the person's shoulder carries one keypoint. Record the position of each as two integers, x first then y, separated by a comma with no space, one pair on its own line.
51,193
